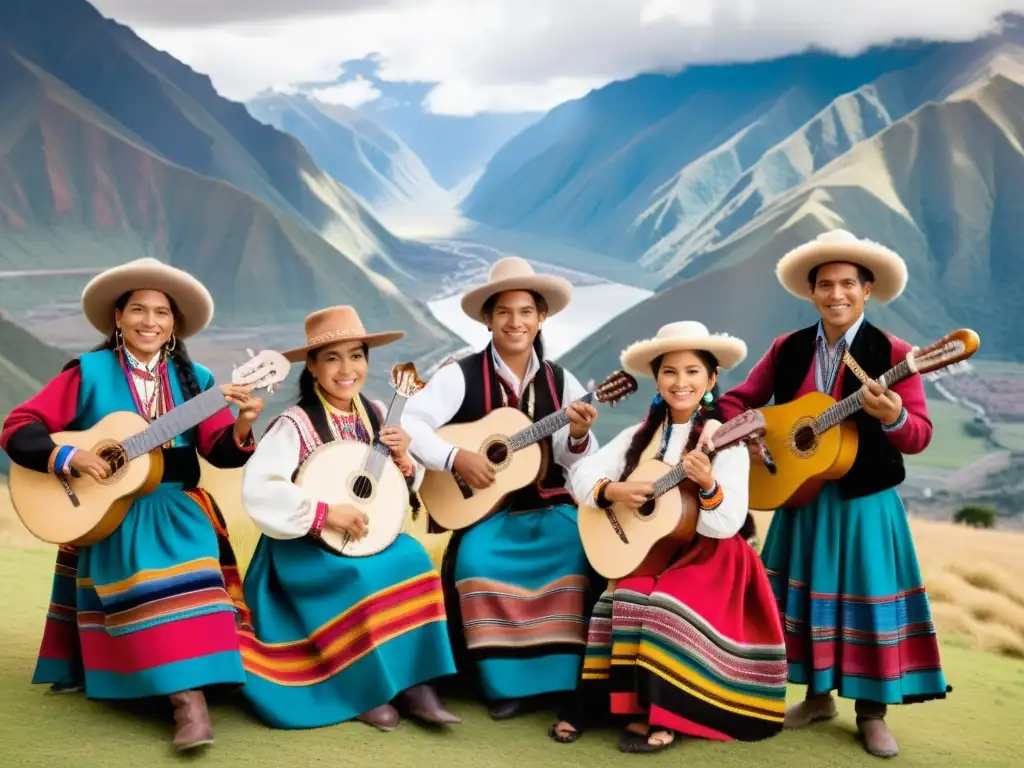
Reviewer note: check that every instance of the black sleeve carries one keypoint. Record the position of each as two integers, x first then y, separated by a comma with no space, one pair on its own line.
31,447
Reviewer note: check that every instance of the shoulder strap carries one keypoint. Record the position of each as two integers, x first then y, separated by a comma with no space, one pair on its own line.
371,414
317,418
556,382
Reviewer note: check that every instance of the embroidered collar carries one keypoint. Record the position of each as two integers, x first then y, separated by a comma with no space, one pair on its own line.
134,362
506,373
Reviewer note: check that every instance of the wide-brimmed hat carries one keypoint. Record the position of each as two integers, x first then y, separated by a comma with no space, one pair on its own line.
194,303
687,335
889,269
515,274
327,326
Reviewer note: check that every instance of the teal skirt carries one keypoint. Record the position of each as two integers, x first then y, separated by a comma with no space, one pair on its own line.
522,581
849,588
144,612
333,637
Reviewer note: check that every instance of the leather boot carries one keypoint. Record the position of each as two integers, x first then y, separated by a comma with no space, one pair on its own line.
385,717
423,703
874,732
191,720
811,710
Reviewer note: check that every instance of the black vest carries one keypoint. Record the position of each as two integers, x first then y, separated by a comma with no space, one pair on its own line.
879,464
482,380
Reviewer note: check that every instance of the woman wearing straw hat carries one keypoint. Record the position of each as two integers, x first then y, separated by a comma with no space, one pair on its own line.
336,638
516,583
144,612
710,661
843,567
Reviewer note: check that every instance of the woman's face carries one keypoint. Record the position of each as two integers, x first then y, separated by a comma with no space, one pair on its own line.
683,378
146,323
340,369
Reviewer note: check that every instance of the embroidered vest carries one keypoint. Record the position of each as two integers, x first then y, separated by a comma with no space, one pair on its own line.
879,464
484,394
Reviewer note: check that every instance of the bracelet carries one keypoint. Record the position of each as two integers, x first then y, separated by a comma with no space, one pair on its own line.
712,499
599,498
317,528
61,459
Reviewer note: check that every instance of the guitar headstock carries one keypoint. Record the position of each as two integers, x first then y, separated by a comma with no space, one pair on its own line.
263,371
952,348
405,380
615,388
749,425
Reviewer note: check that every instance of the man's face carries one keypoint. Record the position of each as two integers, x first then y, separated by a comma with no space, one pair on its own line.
839,294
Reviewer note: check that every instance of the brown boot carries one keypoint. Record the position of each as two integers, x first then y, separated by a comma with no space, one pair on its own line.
191,720
385,717
874,732
811,710
423,703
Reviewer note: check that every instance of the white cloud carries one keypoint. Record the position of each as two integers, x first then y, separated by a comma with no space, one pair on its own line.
516,55
353,93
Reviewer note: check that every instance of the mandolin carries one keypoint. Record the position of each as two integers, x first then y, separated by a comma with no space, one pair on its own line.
808,441
620,540
510,442
79,511
351,472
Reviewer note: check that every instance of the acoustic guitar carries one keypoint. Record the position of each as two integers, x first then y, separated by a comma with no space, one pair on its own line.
510,442
351,472
620,540
81,510
808,441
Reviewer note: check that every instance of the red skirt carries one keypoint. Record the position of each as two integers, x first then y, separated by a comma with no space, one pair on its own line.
699,649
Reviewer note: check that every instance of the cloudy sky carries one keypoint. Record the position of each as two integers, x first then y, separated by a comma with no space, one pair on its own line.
515,55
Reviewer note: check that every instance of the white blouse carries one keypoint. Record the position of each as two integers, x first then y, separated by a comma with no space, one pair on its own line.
280,508
731,469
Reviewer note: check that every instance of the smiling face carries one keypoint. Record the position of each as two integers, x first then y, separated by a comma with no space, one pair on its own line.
838,292
514,320
683,378
340,370
146,323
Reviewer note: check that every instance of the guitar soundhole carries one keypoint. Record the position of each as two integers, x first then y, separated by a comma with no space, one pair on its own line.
496,453
116,459
804,439
362,487
647,509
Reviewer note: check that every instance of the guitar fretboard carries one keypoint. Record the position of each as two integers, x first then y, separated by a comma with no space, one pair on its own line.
851,404
545,427
668,481
380,454
175,422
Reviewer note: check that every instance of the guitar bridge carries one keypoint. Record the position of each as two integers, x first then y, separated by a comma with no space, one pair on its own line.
464,489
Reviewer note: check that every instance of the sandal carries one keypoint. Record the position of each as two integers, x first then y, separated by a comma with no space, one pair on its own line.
563,736
633,742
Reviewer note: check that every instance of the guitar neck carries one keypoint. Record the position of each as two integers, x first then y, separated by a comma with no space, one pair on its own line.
668,481
852,403
175,422
380,454
545,427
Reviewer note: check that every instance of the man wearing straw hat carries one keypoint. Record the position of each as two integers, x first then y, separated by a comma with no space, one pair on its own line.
515,583
843,567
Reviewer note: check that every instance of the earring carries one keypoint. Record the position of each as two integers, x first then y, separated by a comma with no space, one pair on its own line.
657,400
171,344
118,338
708,397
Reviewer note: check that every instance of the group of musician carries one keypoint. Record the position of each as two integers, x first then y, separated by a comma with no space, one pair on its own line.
702,647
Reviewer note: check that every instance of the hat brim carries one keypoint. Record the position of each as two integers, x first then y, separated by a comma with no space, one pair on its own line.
557,291
637,357
192,299
371,340
889,270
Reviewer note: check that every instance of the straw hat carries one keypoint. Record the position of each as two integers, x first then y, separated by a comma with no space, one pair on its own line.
190,296
515,274
889,269
327,326
677,337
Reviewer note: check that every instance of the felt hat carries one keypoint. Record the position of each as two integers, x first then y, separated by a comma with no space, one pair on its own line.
513,273
687,335
326,326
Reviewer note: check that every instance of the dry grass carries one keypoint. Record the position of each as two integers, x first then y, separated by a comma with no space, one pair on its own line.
975,577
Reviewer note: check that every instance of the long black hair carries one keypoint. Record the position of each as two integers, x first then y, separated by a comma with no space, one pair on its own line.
178,352
542,306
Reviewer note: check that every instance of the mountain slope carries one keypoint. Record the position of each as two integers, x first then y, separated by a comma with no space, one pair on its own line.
942,187
368,159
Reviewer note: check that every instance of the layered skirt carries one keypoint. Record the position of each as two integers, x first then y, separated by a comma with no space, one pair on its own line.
144,612
848,584
333,637
698,650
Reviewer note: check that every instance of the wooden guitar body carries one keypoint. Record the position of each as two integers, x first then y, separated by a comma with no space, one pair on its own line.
804,461
334,474
456,505
49,511
654,533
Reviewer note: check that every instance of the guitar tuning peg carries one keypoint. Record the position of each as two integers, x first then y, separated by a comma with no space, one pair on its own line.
271,388
249,352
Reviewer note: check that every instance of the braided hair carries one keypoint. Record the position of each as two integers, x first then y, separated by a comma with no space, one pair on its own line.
179,353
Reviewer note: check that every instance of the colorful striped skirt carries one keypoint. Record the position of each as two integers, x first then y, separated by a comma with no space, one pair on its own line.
521,579
144,612
698,650
847,580
333,637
